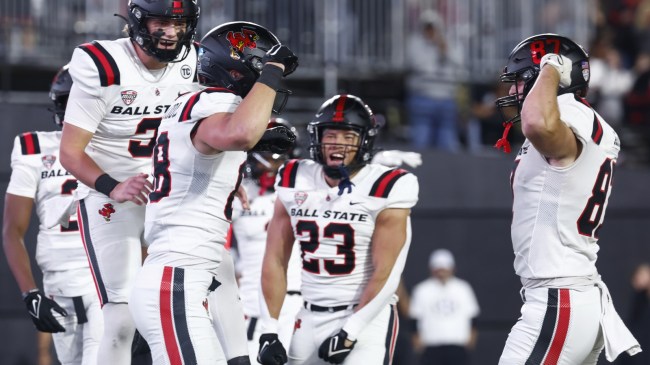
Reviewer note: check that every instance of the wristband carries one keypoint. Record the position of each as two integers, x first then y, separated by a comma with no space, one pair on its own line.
25,294
270,325
271,76
105,184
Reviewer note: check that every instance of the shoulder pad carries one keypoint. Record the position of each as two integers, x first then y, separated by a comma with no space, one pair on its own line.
29,144
109,73
597,127
186,114
383,185
288,174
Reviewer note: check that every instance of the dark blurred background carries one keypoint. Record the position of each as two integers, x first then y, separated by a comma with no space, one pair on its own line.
386,52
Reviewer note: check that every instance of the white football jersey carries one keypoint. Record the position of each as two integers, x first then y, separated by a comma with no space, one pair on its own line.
557,211
335,231
36,173
250,228
190,208
118,99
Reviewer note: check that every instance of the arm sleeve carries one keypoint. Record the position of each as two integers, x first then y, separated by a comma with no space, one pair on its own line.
24,174
86,107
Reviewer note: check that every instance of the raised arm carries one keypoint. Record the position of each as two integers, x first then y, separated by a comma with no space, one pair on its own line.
540,114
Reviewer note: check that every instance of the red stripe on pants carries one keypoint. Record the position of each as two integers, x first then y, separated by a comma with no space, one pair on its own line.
166,318
561,328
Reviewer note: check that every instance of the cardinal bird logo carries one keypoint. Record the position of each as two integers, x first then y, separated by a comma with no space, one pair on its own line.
106,211
244,39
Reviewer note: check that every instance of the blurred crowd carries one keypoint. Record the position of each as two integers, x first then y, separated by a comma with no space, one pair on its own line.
447,113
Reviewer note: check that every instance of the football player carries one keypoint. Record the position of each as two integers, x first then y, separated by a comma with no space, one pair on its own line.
67,306
250,227
120,92
198,164
351,220
561,184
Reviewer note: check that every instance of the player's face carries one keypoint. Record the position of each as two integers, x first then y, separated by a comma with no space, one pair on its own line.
168,31
339,146
517,88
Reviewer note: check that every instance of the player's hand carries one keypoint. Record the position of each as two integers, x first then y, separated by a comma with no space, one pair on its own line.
135,189
562,64
336,348
271,350
278,140
282,54
40,310
396,158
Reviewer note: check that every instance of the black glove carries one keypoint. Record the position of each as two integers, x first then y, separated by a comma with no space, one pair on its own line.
282,54
278,140
333,349
271,350
40,309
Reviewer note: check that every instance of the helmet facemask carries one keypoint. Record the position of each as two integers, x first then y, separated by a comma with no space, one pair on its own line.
343,112
138,18
59,93
362,153
262,167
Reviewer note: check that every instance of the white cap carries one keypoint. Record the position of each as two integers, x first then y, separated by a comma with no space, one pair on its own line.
431,17
441,259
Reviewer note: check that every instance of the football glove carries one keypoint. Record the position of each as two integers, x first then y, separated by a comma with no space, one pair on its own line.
282,54
562,64
396,158
40,310
278,140
271,350
333,349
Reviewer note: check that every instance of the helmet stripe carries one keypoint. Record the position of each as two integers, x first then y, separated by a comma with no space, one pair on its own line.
340,105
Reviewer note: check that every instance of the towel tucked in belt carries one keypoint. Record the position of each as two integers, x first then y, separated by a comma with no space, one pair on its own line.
617,337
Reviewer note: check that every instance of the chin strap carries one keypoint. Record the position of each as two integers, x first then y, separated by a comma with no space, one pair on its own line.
342,174
345,182
503,141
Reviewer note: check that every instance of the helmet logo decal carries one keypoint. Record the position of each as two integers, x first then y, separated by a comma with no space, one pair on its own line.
177,7
242,40
340,105
300,197
128,96
538,48
585,70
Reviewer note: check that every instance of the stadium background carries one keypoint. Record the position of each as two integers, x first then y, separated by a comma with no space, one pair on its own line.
358,47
